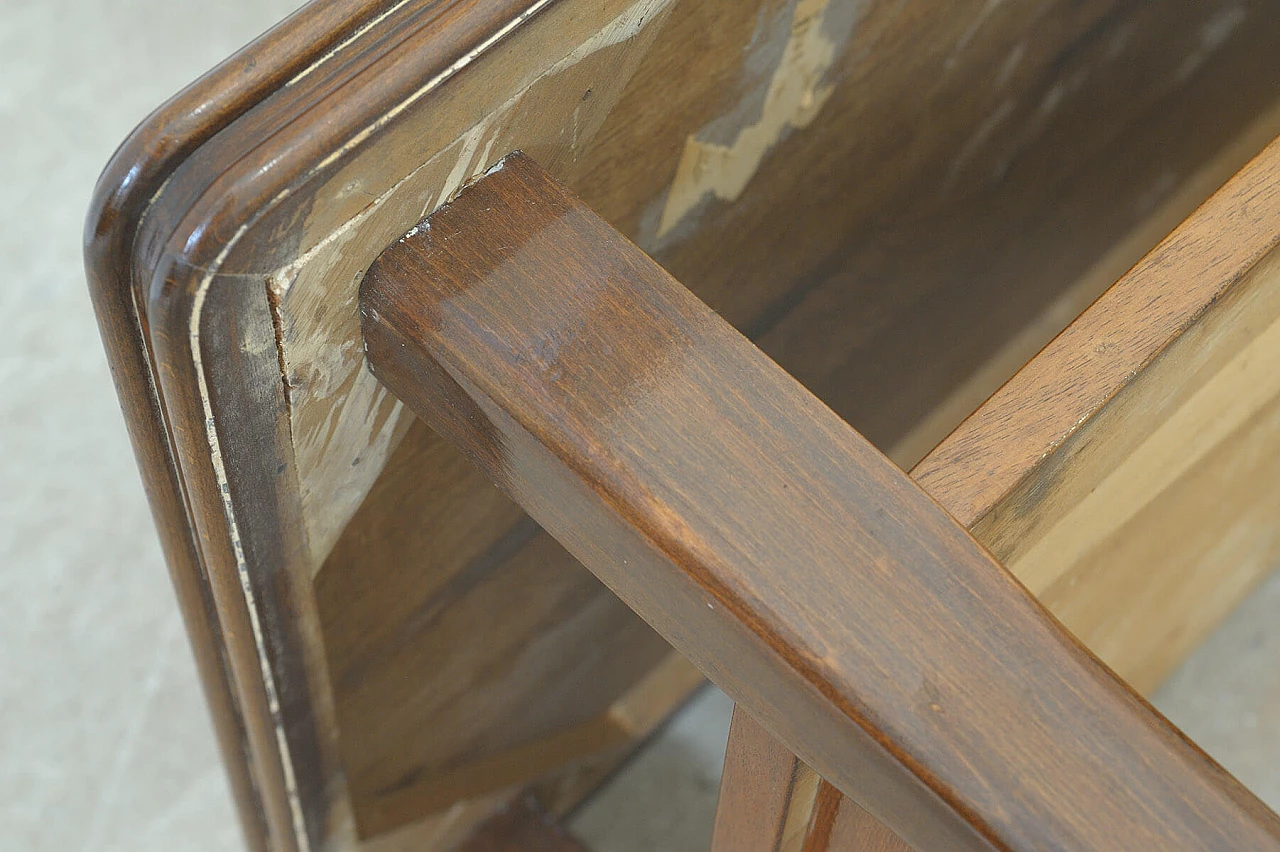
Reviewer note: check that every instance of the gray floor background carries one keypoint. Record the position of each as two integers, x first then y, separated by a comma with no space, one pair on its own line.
104,740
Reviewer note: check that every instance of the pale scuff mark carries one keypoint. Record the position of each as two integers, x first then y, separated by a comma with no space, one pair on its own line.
344,423
972,30
979,138
1119,40
466,166
626,26
622,28
795,95
1213,35
1010,64
1164,185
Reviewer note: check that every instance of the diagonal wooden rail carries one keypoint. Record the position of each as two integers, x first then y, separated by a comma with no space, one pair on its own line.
802,571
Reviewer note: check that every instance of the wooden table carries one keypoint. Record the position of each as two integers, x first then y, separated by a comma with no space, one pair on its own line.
900,205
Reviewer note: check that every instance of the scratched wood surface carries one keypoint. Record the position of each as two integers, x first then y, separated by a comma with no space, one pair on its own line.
855,172
801,569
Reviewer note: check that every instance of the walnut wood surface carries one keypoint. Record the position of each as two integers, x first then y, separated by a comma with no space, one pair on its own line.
874,337
1185,340
768,798
798,567
964,162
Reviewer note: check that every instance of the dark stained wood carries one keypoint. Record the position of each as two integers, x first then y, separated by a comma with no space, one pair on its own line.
522,826
919,258
770,543
436,619
1186,320
938,283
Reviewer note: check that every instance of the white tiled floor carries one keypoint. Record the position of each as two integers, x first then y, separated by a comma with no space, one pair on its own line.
104,740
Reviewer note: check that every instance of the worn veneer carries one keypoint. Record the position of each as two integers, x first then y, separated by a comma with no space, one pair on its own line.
875,175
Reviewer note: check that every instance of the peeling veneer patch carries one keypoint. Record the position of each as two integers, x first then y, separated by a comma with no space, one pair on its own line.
812,40
625,27
345,424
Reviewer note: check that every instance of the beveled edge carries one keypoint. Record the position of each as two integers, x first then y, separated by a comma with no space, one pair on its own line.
133,177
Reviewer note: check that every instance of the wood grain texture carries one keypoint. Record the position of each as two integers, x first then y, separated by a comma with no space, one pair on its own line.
749,525
995,254
767,797
1134,490
290,167
977,269
1129,473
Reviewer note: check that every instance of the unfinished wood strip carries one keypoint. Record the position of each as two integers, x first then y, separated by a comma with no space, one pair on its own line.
1136,319
1113,263
694,476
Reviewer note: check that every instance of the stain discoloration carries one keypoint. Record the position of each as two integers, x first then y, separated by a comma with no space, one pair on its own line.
720,160
345,425
1213,35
